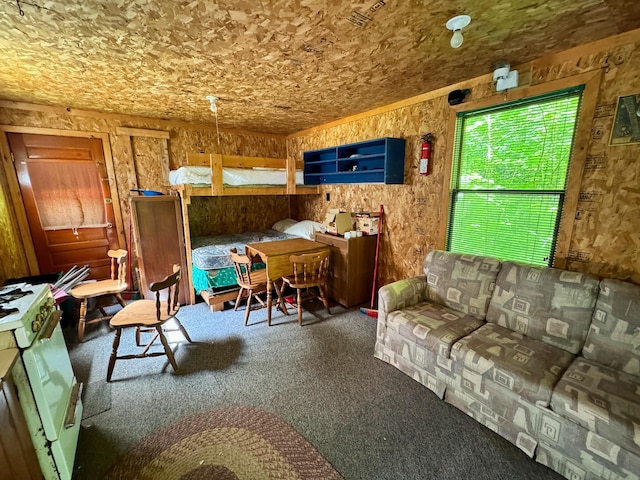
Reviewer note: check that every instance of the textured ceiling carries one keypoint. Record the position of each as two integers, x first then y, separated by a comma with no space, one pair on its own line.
276,66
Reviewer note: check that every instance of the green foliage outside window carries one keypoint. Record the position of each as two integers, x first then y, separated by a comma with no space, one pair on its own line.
509,178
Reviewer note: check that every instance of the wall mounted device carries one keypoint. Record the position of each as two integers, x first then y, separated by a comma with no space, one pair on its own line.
504,77
457,96
457,24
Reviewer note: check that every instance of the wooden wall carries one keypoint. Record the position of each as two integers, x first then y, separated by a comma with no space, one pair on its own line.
140,162
606,230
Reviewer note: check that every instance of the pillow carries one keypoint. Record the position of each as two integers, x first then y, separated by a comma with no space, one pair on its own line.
306,229
282,225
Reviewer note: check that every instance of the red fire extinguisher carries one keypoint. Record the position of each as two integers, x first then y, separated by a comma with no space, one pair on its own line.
425,154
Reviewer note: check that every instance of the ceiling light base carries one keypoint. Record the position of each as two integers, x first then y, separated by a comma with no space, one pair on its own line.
459,22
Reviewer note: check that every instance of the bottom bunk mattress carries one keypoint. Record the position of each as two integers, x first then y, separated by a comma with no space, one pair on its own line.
212,265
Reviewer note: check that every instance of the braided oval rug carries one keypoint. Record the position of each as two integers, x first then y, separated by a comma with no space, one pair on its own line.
234,443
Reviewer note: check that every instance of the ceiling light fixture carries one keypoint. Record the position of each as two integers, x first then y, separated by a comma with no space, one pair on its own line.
457,24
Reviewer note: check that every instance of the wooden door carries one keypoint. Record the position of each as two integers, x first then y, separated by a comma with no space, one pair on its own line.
67,199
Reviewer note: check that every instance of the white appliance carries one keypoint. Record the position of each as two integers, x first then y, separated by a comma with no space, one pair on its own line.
48,390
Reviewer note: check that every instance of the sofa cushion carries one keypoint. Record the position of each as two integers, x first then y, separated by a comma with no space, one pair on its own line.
461,282
543,303
523,365
602,400
614,335
432,326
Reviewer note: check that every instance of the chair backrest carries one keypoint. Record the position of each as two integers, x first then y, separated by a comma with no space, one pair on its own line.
243,267
118,265
171,284
310,268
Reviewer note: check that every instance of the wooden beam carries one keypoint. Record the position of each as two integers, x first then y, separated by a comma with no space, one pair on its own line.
124,118
445,201
16,204
576,168
235,161
141,132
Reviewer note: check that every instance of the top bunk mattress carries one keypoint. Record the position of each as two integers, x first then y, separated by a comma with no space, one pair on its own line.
211,253
236,177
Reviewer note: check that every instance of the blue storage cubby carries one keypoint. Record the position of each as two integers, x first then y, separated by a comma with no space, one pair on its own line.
374,161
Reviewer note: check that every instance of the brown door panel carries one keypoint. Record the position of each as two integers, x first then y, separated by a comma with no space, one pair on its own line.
59,154
80,256
95,235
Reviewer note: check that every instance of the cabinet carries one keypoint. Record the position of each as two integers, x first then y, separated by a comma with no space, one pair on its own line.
352,263
373,161
159,241
18,458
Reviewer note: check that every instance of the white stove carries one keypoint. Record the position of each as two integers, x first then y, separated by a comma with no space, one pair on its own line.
47,387
25,307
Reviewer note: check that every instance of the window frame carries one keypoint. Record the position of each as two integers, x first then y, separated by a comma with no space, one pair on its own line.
591,82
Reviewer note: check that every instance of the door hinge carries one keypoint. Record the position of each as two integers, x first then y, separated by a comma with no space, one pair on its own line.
13,159
108,201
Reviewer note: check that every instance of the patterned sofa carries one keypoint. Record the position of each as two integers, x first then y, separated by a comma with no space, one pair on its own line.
547,358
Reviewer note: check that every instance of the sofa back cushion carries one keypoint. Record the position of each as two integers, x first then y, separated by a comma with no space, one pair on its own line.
548,304
614,335
461,282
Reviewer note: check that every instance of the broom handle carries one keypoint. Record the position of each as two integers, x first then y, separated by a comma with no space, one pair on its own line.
375,268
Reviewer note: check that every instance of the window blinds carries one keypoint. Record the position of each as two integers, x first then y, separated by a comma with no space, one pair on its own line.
509,177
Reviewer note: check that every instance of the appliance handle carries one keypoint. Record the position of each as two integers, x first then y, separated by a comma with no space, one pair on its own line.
50,326
70,417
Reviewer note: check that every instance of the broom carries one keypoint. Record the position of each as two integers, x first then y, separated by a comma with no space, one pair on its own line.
371,312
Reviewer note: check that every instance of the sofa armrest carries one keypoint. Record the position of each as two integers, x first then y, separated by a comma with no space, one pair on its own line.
401,294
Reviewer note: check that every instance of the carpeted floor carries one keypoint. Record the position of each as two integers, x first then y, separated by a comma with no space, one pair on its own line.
366,418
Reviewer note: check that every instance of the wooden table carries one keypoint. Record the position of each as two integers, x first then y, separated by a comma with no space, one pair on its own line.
275,256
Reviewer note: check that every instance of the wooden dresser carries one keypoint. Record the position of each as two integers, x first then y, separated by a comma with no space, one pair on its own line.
159,241
352,265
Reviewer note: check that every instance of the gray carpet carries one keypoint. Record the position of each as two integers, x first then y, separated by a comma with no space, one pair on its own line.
369,420
96,397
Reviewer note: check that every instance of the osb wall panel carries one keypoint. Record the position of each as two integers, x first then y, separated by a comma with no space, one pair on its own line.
206,141
411,210
13,264
146,161
222,215
148,156
606,238
606,234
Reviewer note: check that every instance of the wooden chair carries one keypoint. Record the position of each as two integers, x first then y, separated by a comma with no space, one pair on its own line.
310,271
150,315
253,283
113,286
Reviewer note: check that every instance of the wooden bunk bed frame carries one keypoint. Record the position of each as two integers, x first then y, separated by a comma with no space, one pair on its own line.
217,189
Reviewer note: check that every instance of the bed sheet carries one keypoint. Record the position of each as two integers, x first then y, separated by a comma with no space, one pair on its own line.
236,177
209,253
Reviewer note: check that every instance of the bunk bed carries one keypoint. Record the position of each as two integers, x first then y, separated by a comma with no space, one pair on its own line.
208,174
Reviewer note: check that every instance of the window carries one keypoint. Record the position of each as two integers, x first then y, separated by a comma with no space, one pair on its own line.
509,177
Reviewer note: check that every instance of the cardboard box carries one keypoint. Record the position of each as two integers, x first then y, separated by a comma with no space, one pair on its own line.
338,222
367,223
